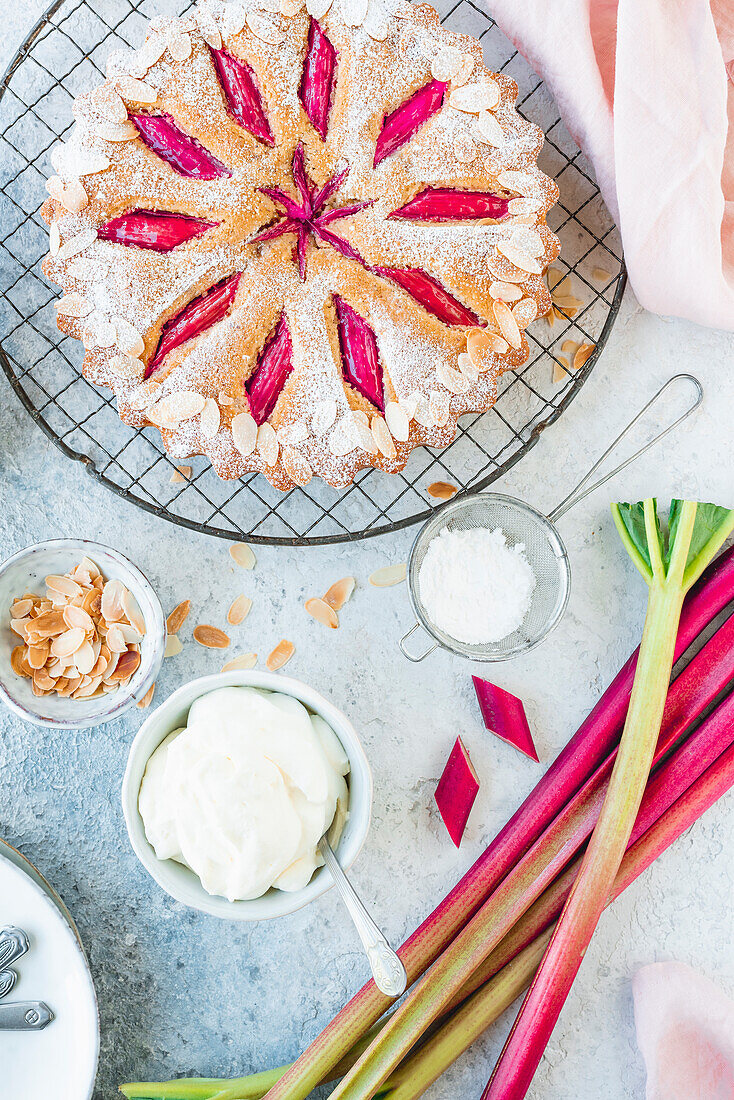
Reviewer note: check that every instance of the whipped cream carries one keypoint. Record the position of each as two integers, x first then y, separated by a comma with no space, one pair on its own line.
243,793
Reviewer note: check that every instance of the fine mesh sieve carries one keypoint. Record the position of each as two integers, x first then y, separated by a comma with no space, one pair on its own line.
543,546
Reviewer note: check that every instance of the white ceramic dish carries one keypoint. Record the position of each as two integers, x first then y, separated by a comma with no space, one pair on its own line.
61,1060
181,883
25,572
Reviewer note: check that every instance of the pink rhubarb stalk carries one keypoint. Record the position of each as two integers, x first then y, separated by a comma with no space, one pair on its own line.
242,95
198,316
317,79
400,125
445,204
184,153
155,229
274,364
696,533
360,358
594,739
429,293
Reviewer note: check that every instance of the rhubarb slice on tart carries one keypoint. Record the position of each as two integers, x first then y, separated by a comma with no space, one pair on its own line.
300,244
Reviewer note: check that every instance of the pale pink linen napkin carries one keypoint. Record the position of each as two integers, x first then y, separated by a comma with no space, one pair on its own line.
685,1032
643,87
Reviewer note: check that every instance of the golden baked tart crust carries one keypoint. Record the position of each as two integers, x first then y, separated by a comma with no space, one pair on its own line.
301,240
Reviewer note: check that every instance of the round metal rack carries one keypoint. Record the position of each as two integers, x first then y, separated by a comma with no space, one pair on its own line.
65,54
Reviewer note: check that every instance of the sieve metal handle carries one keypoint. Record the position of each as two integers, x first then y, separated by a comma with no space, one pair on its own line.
406,652
584,488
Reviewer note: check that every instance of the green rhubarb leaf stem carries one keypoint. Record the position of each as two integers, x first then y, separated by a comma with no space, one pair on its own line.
205,1088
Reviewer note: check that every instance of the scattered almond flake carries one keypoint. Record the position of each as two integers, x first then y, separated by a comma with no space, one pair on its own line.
508,292
446,64
74,245
583,353
507,323
179,46
465,148
210,418
234,19
453,380
136,91
524,205
525,312
410,403
569,345
376,23
474,98
488,130
54,239
465,70
267,444
468,367
242,555
438,404
324,416
281,655
175,407
382,437
144,394
600,275
99,331
289,8
522,260
293,434
358,429
147,698
173,646
264,28
243,662
211,637
442,490
73,305
397,421
322,612
339,442
239,609
124,366
244,433
73,197
181,473
559,374
554,277
566,302
55,188
178,617
224,398
353,12
527,240
128,338
296,466
389,575
116,131
339,592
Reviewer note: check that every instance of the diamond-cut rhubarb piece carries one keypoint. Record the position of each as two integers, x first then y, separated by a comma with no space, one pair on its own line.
274,364
504,716
153,229
457,788
183,152
399,126
242,95
360,359
317,79
430,294
198,316
444,204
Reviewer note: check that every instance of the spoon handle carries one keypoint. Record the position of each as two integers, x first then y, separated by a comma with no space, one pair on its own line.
387,969
24,1016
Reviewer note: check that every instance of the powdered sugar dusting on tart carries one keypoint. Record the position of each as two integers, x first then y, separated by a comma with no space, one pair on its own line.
475,141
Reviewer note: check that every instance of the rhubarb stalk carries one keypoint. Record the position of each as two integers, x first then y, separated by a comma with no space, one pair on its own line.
696,533
587,748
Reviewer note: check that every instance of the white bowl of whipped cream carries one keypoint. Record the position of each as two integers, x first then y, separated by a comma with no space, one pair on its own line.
229,785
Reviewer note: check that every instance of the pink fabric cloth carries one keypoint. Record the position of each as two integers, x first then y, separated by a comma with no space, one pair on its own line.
643,86
685,1032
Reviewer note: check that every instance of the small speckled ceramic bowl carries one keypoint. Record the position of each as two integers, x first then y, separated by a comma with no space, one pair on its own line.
26,572
180,882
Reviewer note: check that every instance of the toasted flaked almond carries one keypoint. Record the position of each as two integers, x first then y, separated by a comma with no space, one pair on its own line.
508,292
468,367
446,64
465,148
521,259
178,616
72,246
389,575
116,640
339,592
49,624
179,45
382,437
555,278
173,646
244,433
442,490
68,642
560,369
452,379
324,416
125,366
85,659
126,665
18,662
507,323
439,408
147,698
525,312
296,466
42,680
224,398
134,90
465,70
239,609
397,421
527,239
111,602
281,655
289,8
74,198
354,12
77,616
569,345
181,473
488,130
601,275
475,98
583,353
210,636
290,435
244,661
55,187
209,419
127,337
129,633
105,102
132,611
242,555
37,655
21,608
65,586
19,626
115,131
267,443
482,346
317,9
176,407
99,332
234,19
322,612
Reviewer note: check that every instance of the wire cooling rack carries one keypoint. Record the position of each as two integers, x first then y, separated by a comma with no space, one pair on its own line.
65,54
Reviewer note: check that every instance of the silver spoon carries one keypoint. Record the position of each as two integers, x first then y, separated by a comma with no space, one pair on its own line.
387,969
18,1015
